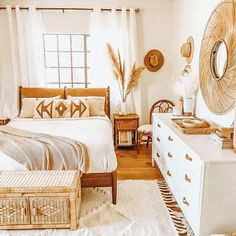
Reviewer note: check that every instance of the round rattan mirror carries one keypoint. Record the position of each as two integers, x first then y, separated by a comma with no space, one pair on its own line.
218,59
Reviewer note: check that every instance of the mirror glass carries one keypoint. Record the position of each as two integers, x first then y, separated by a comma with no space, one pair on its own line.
219,59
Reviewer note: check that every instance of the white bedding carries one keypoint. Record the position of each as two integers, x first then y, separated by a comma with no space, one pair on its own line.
94,132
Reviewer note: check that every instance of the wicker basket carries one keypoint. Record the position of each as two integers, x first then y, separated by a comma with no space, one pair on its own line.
39,199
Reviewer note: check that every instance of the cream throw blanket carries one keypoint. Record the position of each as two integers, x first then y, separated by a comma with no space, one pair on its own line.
39,151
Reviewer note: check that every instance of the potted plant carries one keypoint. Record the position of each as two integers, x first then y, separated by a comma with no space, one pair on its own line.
185,87
126,82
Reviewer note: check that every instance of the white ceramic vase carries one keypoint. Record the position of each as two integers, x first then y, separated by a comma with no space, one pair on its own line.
188,106
123,108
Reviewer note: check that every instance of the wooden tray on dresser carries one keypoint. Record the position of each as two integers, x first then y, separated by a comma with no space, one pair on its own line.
207,129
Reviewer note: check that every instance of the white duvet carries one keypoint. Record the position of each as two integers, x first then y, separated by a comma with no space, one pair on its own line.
94,132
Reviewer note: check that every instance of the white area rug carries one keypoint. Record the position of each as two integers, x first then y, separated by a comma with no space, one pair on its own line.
140,211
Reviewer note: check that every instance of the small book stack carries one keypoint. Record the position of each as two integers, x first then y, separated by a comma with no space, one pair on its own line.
223,142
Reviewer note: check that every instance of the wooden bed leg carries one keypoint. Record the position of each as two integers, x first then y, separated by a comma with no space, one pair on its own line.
114,187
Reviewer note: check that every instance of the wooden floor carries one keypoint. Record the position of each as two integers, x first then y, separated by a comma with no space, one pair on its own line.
136,166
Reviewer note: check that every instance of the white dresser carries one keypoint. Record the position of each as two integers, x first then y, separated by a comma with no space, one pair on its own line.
201,176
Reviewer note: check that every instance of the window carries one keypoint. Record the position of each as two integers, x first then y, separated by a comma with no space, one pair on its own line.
66,58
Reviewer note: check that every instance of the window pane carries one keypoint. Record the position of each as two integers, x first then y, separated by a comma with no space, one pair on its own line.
65,60
88,59
79,86
64,42
88,38
66,53
78,75
77,43
51,59
65,75
50,42
52,85
78,59
88,75
51,74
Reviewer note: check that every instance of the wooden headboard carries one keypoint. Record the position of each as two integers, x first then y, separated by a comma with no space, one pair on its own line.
64,92
91,92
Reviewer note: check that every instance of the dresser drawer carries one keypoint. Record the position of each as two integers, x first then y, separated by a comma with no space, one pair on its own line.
181,154
171,177
157,155
190,210
127,124
191,184
188,179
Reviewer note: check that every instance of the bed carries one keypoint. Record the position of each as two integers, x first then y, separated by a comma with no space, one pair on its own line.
94,132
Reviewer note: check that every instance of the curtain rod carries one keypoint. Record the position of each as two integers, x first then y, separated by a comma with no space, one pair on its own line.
67,9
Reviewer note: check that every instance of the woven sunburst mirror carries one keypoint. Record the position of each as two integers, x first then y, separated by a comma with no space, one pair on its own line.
218,59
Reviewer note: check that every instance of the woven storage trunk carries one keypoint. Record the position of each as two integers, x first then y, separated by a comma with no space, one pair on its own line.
39,199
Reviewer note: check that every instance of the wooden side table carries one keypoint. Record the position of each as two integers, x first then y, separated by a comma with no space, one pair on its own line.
4,121
125,130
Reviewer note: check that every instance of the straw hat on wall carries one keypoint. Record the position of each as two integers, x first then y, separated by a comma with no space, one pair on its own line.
187,50
154,60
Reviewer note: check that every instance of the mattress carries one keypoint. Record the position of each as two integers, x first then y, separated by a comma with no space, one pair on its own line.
94,132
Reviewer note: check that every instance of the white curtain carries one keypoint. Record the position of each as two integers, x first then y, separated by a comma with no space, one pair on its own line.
21,58
119,30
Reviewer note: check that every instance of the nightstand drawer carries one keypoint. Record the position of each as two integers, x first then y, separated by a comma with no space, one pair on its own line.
127,124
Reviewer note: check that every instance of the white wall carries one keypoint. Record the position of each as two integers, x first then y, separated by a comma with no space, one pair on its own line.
191,19
155,30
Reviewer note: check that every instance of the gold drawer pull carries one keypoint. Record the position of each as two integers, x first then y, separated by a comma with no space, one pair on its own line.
170,138
157,154
185,201
169,155
188,158
168,173
158,139
158,125
187,179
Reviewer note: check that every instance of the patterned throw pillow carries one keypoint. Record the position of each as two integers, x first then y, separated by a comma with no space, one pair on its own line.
79,108
43,108
96,104
59,108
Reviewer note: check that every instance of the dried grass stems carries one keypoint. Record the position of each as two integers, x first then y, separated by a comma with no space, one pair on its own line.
186,85
119,71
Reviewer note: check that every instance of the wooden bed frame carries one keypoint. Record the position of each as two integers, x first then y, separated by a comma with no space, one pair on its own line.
91,179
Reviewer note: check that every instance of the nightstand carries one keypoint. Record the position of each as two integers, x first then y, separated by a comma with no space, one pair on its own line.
4,121
125,130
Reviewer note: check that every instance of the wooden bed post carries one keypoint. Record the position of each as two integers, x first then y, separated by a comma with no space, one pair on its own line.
20,87
101,180
108,101
114,186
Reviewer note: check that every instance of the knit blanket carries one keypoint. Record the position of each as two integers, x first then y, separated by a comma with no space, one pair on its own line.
39,151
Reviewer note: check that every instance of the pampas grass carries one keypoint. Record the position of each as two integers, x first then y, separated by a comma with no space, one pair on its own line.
186,85
119,71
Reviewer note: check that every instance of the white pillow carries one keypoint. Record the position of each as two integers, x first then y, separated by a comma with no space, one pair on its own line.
27,108
96,105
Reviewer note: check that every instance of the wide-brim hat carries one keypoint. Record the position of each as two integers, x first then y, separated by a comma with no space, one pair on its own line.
154,60
187,50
